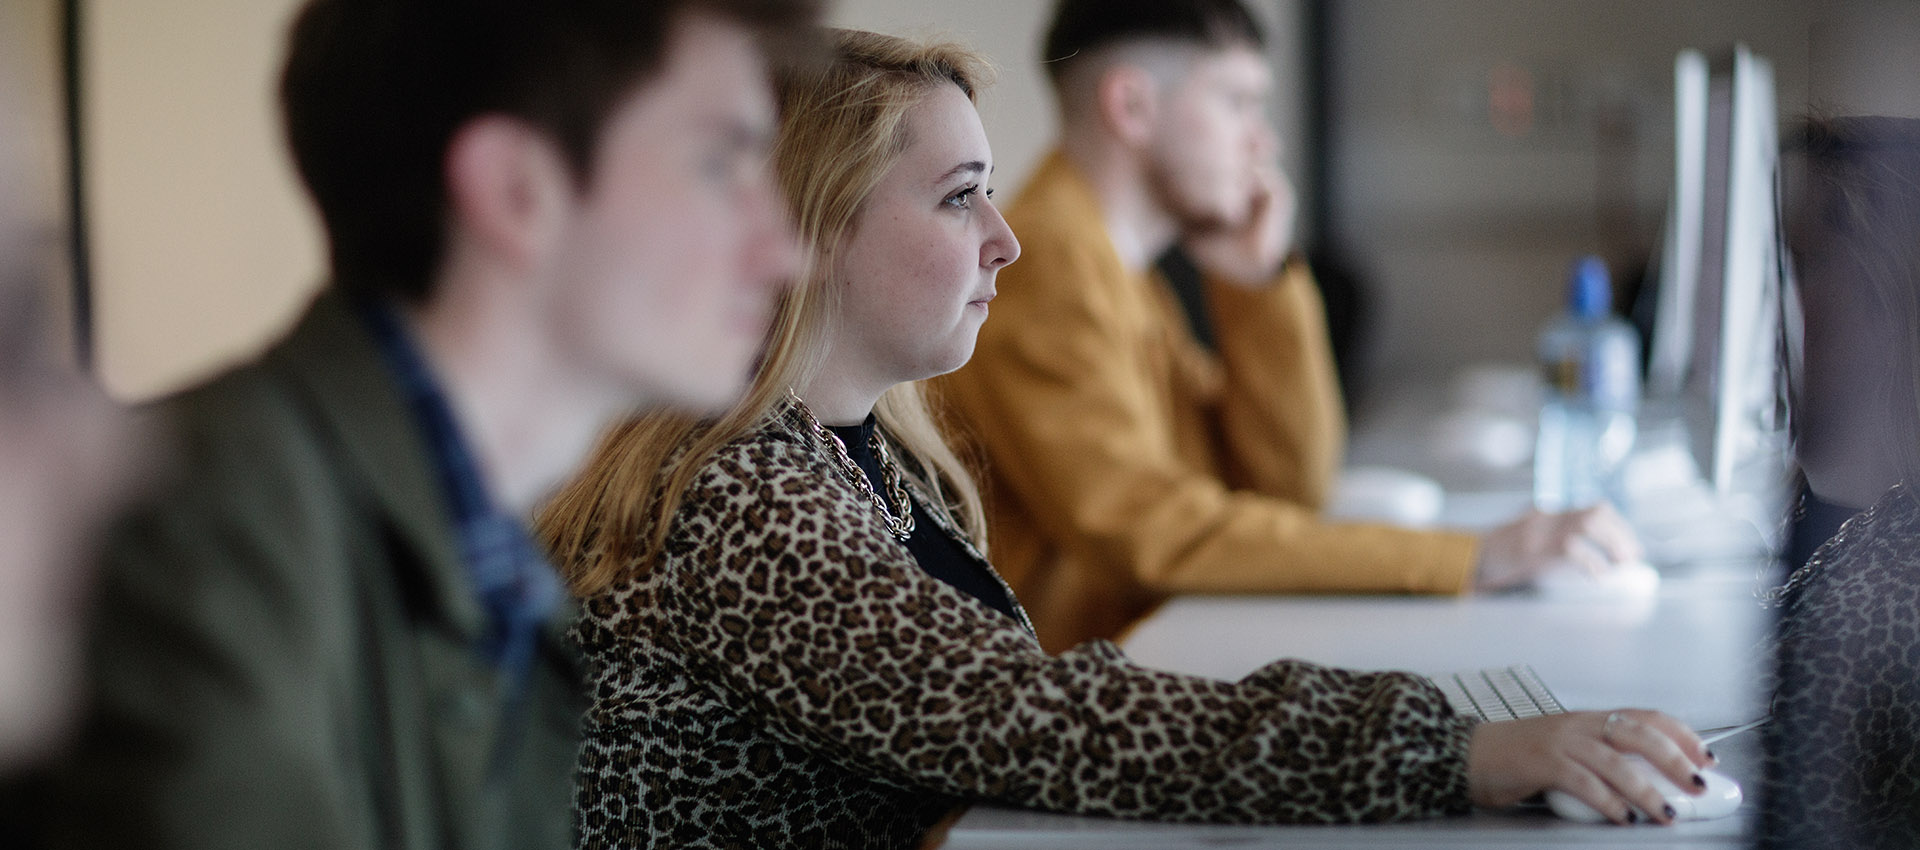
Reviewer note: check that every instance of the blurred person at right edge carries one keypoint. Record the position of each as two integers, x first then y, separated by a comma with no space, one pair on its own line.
65,462
1125,463
1843,750
326,626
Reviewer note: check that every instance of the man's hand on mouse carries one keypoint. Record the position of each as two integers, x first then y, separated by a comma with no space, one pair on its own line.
1585,754
1593,540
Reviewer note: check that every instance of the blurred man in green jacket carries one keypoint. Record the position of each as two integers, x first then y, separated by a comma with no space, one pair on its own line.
329,629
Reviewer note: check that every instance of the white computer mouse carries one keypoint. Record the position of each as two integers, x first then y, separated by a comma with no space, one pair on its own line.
1627,580
1721,798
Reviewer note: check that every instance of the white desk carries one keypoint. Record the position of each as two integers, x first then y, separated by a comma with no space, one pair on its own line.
1690,652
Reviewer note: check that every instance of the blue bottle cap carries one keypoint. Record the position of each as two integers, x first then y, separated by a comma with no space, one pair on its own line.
1590,295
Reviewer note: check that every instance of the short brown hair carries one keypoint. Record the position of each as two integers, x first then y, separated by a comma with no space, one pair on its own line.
1082,27
374,90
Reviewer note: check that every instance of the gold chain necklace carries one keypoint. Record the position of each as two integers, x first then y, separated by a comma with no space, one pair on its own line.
902,526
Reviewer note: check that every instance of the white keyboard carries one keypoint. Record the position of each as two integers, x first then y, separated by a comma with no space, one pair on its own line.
1500,693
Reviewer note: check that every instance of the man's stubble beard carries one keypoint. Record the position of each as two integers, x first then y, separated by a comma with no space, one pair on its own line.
1189,216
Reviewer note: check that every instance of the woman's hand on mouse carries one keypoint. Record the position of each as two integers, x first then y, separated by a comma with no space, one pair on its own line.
1585,754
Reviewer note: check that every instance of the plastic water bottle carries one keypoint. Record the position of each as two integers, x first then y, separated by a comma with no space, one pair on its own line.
1592,364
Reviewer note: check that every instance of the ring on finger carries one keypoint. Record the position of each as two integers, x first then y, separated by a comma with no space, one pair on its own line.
1606,729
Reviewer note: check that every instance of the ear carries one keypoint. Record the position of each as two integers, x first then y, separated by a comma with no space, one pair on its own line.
1129,101
507,189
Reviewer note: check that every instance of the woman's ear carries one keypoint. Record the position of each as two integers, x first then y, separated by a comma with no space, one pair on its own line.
508,189
1129,102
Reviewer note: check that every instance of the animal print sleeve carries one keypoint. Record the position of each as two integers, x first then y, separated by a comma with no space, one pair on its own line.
792,594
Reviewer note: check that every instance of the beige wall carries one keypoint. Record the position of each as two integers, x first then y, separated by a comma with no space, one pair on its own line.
203,247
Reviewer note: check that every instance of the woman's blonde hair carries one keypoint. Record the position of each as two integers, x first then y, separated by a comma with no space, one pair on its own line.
842,128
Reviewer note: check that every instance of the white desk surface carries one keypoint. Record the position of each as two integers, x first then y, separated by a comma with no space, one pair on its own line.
1692,651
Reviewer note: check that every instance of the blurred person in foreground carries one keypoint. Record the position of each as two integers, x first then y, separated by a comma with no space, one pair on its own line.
63,466
1843,750
796,640
329,628
1125,461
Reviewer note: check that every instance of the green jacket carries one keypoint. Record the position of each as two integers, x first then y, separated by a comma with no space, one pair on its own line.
283,645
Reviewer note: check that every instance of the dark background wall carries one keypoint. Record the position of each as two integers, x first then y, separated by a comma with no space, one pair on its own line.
1476,147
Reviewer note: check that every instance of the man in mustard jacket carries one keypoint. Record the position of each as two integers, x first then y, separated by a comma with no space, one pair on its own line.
1126,462
328,628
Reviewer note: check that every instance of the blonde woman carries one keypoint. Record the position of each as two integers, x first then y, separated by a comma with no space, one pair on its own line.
794,636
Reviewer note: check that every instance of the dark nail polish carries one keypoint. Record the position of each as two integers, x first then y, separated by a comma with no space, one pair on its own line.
1671,814
1711,756
1633,816
1699,781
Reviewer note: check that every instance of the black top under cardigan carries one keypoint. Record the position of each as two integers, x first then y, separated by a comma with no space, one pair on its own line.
940,555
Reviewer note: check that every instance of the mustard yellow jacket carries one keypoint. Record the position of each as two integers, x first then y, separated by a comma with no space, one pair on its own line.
1125,463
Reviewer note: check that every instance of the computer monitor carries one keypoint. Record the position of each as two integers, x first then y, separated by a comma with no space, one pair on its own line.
1722,325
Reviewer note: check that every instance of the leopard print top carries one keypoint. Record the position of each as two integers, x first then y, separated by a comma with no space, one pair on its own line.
788,677
1843,767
